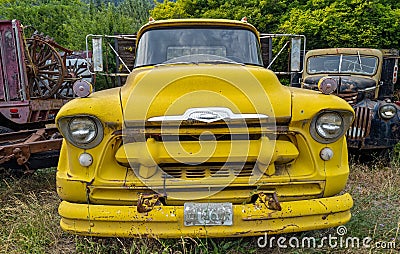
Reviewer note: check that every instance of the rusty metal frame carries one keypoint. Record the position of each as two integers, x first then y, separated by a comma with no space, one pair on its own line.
21,145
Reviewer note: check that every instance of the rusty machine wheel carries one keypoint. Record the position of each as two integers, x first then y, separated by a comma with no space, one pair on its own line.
76,69
45,68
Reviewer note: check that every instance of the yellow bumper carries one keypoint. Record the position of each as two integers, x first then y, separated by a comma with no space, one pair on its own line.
167,221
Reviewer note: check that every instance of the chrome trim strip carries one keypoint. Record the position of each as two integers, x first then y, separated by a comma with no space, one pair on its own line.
207,115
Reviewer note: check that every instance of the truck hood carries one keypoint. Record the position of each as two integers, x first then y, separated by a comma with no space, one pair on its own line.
172,90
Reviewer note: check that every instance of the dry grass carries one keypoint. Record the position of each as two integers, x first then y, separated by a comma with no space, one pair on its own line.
28,215
376,193
29,220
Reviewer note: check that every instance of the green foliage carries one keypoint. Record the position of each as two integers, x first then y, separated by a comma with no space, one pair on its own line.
263,14
56,18
69,21
342,23
326,23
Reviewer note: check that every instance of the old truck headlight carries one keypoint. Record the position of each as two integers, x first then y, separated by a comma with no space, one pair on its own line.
82,131
387,111
328,126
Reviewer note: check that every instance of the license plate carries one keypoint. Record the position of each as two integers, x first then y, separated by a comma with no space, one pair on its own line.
210,214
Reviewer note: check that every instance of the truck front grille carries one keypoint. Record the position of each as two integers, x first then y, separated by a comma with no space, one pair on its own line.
361,125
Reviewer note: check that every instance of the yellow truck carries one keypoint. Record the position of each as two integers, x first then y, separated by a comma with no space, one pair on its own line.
202,141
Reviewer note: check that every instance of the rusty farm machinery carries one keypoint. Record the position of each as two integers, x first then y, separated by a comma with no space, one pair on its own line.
36,79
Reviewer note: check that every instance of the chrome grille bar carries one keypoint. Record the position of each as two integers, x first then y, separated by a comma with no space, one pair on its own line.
362,123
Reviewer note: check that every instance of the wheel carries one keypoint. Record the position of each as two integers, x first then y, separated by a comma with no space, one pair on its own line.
76,69
46,159
45,69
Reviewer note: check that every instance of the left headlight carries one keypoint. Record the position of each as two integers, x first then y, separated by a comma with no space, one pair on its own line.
328,126
82,131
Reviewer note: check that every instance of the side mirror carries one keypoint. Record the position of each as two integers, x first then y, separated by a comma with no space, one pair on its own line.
97,56
295,55
292,48
122,46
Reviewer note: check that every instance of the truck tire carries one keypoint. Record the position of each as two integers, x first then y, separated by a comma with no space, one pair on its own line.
46,159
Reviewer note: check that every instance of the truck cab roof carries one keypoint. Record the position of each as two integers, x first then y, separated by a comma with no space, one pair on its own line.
196,22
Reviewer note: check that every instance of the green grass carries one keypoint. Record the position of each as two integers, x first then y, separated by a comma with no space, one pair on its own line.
29,222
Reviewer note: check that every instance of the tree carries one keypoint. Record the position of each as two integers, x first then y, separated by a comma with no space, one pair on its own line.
345,24
69,21
56,18
326,23
265,15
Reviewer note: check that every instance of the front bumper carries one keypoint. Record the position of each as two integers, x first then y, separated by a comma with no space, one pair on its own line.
167,221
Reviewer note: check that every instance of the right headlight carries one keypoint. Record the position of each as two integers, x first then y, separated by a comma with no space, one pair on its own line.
82,131
328,126
387,111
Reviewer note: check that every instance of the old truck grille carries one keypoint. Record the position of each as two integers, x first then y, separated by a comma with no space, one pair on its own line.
351,98
361,125
198,172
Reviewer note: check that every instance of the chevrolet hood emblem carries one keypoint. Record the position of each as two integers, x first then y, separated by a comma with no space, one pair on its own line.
207,115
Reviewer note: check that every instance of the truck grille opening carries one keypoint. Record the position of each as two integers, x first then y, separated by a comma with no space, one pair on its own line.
208,170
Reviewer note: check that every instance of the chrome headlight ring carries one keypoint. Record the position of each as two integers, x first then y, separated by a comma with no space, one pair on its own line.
330,125
83,131
387,111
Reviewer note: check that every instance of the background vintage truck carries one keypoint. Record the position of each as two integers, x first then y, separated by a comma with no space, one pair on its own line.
367,80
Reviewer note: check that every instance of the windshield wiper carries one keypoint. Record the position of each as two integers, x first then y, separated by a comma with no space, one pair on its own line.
359,59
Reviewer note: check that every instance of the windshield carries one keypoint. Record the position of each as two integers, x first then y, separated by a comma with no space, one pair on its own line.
353,64
214,45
